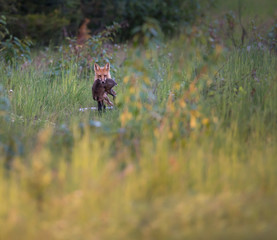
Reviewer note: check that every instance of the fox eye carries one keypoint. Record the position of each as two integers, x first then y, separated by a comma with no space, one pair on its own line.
99,76
105,76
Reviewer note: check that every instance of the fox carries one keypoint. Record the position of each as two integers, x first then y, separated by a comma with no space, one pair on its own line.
102,74
101,89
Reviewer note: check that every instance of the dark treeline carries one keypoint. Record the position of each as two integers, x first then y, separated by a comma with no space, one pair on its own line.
50,20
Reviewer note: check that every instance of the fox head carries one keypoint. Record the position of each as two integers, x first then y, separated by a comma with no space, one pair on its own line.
102,73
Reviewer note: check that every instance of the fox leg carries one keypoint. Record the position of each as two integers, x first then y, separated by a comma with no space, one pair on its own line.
99,106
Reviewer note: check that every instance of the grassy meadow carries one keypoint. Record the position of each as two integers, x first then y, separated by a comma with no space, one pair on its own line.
188,152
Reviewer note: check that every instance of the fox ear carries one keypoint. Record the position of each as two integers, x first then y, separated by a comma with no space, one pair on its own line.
96,67
107,66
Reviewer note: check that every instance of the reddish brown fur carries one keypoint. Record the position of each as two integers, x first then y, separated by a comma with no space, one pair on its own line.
102,73
83,32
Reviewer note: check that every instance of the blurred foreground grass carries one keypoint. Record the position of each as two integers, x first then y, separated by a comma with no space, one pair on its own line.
214,187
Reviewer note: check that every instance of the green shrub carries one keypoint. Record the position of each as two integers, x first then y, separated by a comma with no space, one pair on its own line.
51,20
12,48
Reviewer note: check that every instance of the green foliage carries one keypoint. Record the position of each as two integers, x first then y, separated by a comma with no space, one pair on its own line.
84,56
4,104
149,31
169,15
12,48
188,152
10,145
47,21
272,35
44,27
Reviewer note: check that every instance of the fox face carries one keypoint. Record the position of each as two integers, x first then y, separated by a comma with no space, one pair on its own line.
102,73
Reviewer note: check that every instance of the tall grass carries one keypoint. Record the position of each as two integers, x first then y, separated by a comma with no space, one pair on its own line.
188,152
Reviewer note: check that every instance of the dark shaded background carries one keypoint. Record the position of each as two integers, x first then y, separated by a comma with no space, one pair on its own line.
49,20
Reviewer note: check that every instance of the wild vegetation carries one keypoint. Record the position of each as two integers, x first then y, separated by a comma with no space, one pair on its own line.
189,150
47,21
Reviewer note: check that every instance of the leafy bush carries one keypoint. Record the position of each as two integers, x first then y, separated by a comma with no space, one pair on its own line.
169,14
12,48
49,20
44,27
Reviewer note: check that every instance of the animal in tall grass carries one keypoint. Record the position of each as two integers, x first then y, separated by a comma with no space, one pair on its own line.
103,73
100,89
